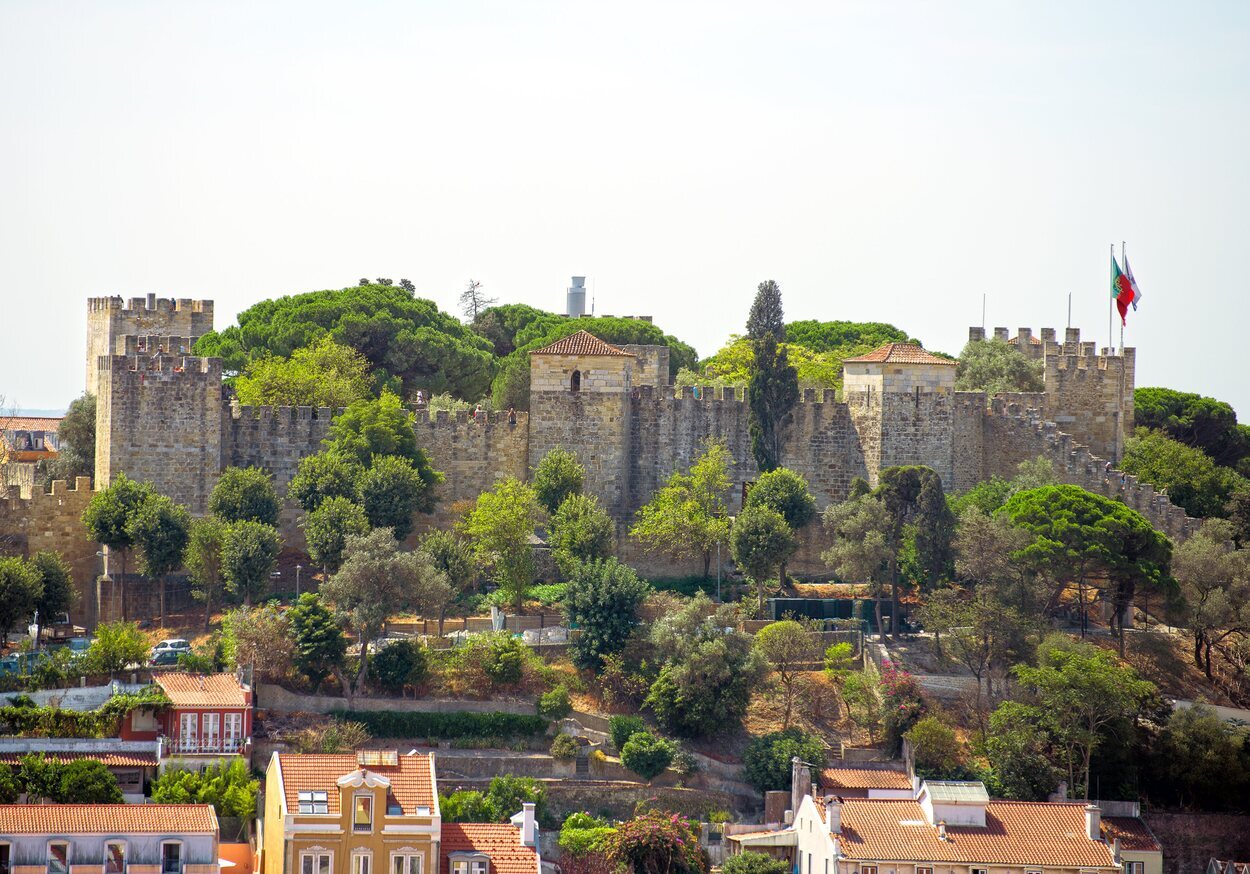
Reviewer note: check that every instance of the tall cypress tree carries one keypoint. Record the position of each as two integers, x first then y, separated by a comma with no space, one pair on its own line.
774,386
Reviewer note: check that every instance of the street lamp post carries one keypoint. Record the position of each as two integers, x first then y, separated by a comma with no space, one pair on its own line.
298,568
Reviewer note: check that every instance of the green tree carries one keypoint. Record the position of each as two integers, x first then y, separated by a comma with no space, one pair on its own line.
580,531
391,491
249,553
161,529
760,543
1200,422
320,646
939,754
688,516
624,726
375,582
913,498
754,863
452,556
657,842
500,324
325,374
406,340
20,590
203,560
862,702
558,476
786,492
75,455
1019,751
1191,479
245,494
861,551
1076,690
788,648
1199,762
646,755
57,594
229,788
108,518
500,527
995,366
10,788
839,660
260,637
1214,588
87,781
327,528
372,428
767,760
602,600
323,476
40,777
116,646
399,665
773,389
1238,510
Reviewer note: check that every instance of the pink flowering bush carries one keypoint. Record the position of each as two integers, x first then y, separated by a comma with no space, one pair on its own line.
902,705
657,842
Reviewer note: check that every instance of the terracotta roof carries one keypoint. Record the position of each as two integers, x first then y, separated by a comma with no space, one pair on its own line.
580,343
109,760
1132,832
900,353
411,779
1015,833
862,778
29,423
119,819
501,842
202,690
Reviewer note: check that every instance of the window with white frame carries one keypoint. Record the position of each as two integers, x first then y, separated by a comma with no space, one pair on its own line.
867,869
313,802
212,731
171,857
477,864
406,863
923,870
188,731
115,858
361,863
1134,868
314,863
234,731
58,857
362,815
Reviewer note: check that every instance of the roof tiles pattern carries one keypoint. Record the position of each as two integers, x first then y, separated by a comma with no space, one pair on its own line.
30,423
1015,833
580,343
202,690
1134,834
900,353
501,842
863,778
119,819
109,760
410,779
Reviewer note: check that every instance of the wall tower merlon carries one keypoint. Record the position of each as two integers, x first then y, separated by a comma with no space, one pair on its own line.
1002,334
976,334
1048,335
1024,336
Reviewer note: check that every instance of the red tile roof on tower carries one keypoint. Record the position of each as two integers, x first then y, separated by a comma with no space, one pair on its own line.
202,690
580,343
1015,833
835,778
501,842
1134,834
113,819
900,353
411,778
1033,341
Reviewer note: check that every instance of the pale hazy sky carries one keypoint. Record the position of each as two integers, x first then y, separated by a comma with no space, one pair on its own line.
881,161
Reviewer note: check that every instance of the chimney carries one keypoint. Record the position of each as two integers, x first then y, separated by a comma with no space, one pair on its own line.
1093,822
529,828
942,830
833,812
800,783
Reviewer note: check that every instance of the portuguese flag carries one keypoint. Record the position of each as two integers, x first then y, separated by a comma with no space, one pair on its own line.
1121,290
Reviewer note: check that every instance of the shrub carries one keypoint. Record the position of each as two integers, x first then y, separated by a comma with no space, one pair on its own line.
9,787
939,755
619,686
685,763
583,834
505,658
646,755
555,704
565,746
754,863
334,737
767,764
658,841
623,727
448,726
399,665
88,781
230,788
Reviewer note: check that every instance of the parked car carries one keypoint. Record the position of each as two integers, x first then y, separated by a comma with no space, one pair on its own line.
166,658
172,644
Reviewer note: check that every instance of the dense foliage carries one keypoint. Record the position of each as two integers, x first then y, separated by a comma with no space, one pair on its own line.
445,726
997,366
767,760
602,600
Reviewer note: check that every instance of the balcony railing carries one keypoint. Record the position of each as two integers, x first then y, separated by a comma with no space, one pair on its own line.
205,746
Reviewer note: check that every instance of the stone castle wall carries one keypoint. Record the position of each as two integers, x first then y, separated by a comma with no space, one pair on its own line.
471,455
110,320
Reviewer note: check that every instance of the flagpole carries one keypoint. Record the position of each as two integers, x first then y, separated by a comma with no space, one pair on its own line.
1122,320
1110,300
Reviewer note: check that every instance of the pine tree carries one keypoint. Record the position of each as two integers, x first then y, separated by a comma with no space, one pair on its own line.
766,314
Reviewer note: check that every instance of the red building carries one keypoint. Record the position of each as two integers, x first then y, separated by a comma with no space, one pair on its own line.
209,719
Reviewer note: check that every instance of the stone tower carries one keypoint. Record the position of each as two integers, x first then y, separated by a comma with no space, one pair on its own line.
580,390
110,320
901,400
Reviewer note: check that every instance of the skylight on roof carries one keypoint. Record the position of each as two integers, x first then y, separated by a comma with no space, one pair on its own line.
313,802
950,791
377,758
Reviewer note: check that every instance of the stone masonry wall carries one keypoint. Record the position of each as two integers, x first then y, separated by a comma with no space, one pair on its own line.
110,320
471,455
158,419
34,521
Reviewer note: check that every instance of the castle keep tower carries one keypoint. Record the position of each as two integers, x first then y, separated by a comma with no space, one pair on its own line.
901,400
580,391
110,320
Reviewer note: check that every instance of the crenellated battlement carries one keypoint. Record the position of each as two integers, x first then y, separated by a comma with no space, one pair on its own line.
149,305
160,364
462,419
23,499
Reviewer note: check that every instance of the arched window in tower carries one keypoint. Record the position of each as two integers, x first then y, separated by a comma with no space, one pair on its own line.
575,383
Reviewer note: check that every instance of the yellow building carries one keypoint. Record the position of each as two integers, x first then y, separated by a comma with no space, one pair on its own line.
376,812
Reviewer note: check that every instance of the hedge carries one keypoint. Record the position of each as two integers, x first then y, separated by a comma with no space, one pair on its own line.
446,726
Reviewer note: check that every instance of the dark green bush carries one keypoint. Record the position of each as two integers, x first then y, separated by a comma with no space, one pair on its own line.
446,726
555,704
622,727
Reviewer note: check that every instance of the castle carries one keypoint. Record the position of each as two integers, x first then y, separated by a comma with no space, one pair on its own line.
162,416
